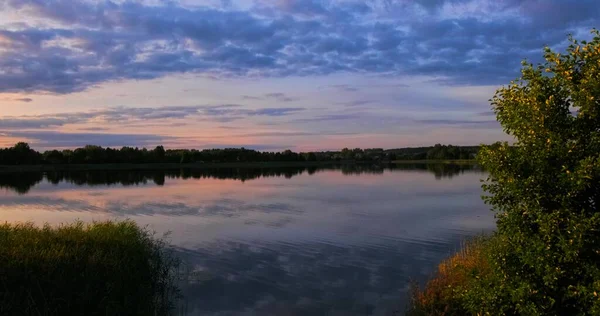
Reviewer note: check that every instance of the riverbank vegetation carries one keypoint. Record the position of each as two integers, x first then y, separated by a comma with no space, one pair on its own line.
545,189
23,154
105,268
446,292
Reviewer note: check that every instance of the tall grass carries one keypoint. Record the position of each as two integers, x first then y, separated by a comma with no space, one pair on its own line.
103,268
446,293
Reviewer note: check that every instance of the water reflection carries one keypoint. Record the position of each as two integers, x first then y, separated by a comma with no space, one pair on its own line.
304,278
23,182
335,240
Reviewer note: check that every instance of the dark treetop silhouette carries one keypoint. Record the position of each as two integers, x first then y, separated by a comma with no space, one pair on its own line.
22,154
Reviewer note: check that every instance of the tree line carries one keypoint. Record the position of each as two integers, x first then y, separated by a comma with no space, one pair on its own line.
23,154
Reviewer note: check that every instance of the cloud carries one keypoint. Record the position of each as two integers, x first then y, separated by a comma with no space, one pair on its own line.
77,44
355,88
230,127
356,103
369,121
52,139
123,115
274,111
28,122
330,117
278,96
26,100
294,134
94,129
344,87
461,123
281,97
250,97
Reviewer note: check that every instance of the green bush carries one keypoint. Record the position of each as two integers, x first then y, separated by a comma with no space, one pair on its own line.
545,188
103,268
544,258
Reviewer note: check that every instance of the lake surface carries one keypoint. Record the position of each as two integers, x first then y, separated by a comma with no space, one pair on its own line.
338,240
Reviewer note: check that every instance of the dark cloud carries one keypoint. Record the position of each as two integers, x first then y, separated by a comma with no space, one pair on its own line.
278,96
26,100
356,103
374,120
47,139
28,122
461,123
451,122
274,111
82,43
94,129
354,88
294,134
123,115
330,117
281,97
344,87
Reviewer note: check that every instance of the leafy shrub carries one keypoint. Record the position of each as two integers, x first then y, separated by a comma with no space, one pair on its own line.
545,190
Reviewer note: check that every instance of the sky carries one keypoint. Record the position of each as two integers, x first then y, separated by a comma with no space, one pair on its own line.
268,74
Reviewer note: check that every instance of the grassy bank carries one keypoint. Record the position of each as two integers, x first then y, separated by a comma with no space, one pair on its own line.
108,268
457,280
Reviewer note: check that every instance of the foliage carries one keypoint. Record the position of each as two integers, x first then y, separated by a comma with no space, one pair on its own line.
103,268
441,152
437,152
21,154
546,187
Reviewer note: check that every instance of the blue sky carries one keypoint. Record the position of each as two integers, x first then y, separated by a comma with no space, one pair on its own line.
269,75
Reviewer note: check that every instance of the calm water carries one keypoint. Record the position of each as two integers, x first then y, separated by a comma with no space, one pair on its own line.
286,241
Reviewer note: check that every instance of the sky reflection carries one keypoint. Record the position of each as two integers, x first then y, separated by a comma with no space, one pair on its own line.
311,243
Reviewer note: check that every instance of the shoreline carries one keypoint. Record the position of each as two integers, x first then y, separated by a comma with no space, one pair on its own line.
439,161
157,166
166,166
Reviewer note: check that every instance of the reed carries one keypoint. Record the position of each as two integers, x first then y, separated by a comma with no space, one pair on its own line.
102,268
444,293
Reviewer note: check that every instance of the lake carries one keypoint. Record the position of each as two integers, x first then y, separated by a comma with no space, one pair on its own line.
335,240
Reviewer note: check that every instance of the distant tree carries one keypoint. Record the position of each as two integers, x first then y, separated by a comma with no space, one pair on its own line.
22,154
159,153
54,157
